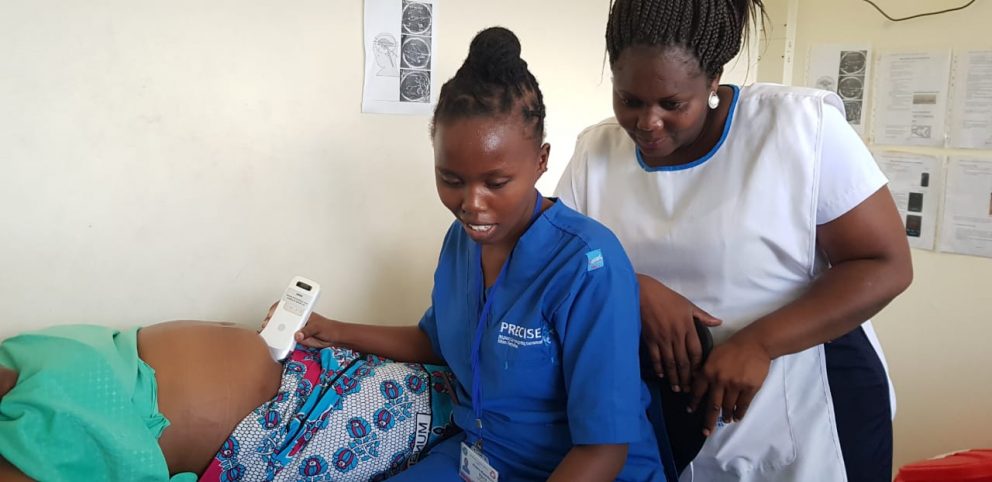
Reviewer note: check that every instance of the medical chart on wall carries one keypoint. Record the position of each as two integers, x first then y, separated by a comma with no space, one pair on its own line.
911,98
843,69
400,41
971,101
967,221
917,186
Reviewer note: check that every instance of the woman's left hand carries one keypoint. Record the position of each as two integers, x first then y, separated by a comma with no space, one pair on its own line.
729,380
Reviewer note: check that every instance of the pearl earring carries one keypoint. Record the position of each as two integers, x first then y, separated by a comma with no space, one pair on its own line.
714,100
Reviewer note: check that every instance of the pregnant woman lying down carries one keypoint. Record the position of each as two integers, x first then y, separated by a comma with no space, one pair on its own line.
87,403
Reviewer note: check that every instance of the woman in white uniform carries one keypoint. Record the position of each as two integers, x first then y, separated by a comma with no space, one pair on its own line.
760,212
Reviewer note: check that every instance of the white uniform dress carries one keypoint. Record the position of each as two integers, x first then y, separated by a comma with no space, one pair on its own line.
735,233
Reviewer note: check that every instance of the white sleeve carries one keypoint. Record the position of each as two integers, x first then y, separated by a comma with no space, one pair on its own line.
568,190
848,172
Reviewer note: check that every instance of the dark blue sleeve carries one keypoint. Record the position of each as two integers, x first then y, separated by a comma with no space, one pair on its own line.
428,325
600,343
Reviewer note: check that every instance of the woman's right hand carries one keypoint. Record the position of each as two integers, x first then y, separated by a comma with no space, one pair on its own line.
319,332
669,333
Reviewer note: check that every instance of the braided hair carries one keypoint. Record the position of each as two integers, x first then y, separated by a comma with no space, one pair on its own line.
712,30
493,81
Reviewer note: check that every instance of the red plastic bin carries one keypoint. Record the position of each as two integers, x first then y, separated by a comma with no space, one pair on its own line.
967,466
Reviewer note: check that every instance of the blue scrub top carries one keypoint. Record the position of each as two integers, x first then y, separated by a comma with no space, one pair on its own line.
559,355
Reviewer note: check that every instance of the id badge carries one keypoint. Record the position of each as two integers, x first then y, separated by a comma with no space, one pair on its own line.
475,468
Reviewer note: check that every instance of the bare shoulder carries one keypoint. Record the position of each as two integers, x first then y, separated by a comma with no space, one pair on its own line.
9,473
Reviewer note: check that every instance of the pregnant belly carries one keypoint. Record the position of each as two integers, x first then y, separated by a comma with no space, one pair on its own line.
210,376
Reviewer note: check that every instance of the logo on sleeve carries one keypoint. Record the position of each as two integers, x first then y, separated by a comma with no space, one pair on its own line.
594,260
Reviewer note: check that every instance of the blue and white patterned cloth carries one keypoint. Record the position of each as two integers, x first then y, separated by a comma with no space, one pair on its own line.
339,416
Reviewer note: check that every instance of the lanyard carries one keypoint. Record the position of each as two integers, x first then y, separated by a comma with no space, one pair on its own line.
484,317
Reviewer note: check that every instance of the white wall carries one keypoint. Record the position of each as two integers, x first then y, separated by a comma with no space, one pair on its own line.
183,159
936,334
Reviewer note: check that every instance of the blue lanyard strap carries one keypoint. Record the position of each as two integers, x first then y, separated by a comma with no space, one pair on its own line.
484,317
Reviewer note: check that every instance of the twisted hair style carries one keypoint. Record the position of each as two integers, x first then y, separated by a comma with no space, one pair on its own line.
493,81
712,30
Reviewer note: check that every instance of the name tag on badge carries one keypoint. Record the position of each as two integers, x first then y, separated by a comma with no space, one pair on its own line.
475,468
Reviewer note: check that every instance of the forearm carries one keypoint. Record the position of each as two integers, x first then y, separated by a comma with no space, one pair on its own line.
400,343
841,299
589,463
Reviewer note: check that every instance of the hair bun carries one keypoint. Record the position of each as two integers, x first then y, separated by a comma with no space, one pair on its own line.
494,56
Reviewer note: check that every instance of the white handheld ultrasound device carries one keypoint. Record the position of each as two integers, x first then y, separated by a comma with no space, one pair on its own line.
290,315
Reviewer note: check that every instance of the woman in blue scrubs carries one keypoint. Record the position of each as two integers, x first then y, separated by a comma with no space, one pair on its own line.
534,308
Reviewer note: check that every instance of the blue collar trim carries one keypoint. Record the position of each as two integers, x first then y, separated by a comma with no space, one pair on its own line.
708,155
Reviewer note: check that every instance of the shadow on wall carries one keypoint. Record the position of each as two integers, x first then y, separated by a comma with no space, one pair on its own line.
400,278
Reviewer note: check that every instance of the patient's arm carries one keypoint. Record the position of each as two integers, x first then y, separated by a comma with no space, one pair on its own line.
9,473
8,378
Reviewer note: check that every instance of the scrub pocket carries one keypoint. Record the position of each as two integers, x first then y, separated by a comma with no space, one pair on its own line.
531,361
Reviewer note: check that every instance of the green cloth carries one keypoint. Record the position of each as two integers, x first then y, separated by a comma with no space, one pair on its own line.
84,408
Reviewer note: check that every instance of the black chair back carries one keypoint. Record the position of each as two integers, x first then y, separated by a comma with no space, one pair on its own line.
679,433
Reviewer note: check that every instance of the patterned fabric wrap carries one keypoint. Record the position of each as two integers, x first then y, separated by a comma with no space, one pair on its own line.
339,416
